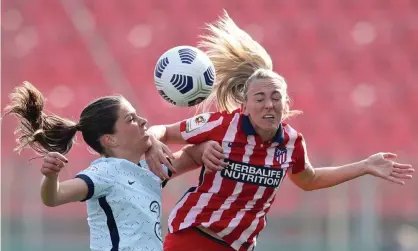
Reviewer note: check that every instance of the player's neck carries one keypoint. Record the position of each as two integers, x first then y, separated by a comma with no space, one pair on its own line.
265,136
134,157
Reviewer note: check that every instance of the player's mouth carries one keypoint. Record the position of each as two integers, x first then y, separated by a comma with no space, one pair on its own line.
269,117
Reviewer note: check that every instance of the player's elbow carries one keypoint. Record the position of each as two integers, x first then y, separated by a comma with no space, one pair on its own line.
49,203
307,180
306,183
305,186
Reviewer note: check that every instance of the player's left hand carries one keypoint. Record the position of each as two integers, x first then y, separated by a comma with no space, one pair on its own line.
157,155
382,165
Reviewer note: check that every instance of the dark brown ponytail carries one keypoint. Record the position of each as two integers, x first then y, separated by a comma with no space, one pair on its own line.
43,133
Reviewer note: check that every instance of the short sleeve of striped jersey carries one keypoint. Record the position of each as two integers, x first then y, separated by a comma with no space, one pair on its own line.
199,128
300,155
99,178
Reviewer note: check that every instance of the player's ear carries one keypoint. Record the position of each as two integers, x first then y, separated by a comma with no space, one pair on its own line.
244,108
109,141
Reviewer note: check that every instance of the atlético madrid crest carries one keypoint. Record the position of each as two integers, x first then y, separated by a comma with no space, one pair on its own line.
281,155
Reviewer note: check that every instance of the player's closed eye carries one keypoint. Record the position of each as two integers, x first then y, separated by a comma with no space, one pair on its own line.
133,118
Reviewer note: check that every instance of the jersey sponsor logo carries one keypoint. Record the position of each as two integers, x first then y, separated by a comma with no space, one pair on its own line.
281,155
155,208
197,122
250,174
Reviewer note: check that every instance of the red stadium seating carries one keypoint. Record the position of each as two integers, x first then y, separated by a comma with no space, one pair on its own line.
313,45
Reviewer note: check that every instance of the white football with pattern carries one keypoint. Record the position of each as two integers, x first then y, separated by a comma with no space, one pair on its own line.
184,76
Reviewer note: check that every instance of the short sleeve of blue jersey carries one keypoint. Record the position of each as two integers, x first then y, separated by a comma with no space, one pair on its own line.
99,177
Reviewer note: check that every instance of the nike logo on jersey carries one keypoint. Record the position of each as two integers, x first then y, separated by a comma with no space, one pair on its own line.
131,182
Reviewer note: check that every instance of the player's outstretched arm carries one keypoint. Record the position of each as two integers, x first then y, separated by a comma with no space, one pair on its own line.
380,165
168,134
55,193
195,130
192,157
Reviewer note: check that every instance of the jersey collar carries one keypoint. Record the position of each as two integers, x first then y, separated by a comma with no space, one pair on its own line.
249,130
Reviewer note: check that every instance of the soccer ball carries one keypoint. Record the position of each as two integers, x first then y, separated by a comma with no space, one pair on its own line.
184,76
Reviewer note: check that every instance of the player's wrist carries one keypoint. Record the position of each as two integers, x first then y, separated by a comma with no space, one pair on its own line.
154,133
365,167
51,176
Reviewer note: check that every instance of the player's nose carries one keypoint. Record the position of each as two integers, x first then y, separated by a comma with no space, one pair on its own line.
268,103
142,121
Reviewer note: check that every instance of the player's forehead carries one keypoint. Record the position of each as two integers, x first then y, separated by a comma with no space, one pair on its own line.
264,87
126,108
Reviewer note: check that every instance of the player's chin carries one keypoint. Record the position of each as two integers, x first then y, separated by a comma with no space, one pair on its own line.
270,127
144,143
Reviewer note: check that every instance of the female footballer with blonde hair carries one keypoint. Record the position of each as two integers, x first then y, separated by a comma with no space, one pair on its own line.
254,150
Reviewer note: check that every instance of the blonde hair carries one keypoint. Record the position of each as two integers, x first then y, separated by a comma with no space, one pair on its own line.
238,61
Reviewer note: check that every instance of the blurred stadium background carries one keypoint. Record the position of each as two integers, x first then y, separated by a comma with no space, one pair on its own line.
351,66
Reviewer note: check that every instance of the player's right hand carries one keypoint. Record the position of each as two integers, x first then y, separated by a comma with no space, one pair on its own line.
213,157
53,163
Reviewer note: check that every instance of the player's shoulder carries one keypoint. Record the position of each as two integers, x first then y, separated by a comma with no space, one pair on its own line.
105,161
211,116
291,131
208,120
104,164
230,114
223,116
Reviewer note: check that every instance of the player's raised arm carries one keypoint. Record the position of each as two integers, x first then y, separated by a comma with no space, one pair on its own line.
55,193
169,134
51,136
195,130
189,131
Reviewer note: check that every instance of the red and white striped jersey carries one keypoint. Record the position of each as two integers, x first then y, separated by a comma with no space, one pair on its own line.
234,202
